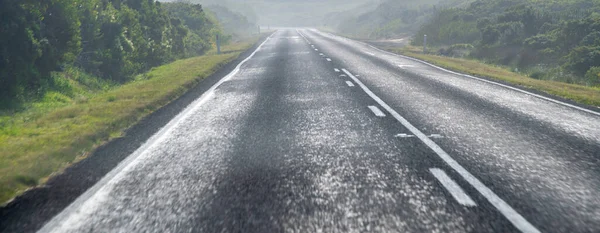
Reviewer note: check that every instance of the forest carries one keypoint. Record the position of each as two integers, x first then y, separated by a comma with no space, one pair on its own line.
110,39
551,40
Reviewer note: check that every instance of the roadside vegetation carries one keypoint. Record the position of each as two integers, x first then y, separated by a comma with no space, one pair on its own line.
551,45
557,40
60,129
389,19
110,39
76,73
577,93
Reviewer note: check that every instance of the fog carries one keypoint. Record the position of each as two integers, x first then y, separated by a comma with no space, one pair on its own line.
291,13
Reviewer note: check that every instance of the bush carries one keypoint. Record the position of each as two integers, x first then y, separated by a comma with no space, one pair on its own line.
593,75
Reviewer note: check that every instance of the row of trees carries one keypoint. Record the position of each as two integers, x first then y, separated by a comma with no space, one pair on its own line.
112,39
554,39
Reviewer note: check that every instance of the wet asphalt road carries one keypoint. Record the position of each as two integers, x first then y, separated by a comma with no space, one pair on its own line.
317,133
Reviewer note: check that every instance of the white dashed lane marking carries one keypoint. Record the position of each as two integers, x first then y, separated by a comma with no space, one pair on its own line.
453,188
377,111
504,208
350,84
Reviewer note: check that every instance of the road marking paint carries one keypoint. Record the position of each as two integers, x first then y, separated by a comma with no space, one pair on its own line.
328,59
336,70
372,54
453,188
316,50
302,35
343,75
404,66
71,214
321,54
512,215
376,111
490,82
403,135
350,84
436,136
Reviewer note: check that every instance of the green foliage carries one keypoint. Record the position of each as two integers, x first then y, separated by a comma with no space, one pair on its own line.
524,34
202,27
112,39
593,75
60,129
232,22
391,18
582,58
36,37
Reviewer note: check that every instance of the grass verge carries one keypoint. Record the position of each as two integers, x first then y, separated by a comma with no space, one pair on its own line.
577,93
59,130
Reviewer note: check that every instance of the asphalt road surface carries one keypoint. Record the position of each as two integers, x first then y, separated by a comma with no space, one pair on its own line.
318,133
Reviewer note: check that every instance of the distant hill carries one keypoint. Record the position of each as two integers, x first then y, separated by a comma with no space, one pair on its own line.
392,18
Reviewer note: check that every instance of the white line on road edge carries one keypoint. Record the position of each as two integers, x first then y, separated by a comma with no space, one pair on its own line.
512,215
376,111
490,82
350,84
70,215
453,188
473,77
300,33
404,66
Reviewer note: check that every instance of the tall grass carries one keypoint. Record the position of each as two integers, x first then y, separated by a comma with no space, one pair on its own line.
578,93
84,112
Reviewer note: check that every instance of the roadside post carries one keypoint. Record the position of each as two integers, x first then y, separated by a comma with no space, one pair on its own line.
218,44
425,44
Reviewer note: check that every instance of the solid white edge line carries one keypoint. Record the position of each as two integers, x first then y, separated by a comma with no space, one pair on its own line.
453,188
58,220
472,77
490,82
377,111
350,84
512,215
298,31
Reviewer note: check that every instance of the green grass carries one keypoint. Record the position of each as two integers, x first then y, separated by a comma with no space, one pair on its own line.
66,125
578,93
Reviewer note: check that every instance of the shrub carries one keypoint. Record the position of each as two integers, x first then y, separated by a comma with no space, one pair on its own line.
593,75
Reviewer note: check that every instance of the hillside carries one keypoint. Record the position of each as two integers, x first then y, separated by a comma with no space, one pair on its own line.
392,19
552,40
